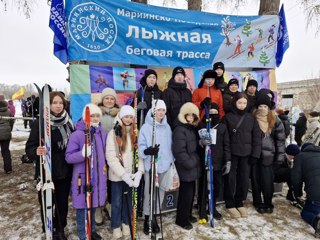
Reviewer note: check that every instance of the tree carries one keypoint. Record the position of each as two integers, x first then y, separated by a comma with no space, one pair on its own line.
247,28
264,58
226,28
195,5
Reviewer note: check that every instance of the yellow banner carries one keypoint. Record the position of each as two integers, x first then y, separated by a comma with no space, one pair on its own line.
19,94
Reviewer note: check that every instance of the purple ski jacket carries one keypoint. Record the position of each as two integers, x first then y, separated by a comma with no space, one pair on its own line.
74,156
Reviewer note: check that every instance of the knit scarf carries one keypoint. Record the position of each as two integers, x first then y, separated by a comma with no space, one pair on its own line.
64,124
262,118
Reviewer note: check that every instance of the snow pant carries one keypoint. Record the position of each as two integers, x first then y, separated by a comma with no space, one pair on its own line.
262,178
146,200
310,211
81,223
203,191
121,204
236,183
6,155
185,202
60,204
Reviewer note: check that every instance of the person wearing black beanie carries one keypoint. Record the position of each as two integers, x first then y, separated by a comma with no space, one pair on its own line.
218,67
229,93
251,90
175,95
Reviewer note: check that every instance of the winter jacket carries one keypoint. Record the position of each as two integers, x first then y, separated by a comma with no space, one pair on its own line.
6,125
60,168
246,140
300,127
174,97
12,108
312,134
221,151
221,84
116,170
273,146
306,169
185,150
227,100
74,156
286,123
214,93
108,116
251,102
163,136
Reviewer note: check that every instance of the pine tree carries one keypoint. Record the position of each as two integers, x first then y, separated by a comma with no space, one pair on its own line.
264,58
247,28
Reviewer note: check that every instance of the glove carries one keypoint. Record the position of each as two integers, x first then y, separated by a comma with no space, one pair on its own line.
205,142
126,177
205,102
226,168
142,105
84,149
118,129
152,151
137,177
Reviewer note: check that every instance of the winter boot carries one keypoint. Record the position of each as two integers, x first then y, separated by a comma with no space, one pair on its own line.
96,236
316,226
125,230
146,224
155,226
243,212
99,216
234,213
116,233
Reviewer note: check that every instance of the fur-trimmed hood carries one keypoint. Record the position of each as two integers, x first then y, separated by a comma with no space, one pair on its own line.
188,108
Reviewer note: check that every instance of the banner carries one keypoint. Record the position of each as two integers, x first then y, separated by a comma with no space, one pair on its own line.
19,94
133,33
88,81
283,37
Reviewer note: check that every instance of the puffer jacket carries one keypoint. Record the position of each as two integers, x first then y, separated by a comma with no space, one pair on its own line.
227,100
116,170
163,136
273,146
312,134
5,124
74,156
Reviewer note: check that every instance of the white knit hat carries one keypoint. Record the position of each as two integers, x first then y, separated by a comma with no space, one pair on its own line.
126,110
160,104
108,92
94,109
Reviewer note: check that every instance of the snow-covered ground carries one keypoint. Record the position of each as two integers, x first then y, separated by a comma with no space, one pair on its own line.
20,215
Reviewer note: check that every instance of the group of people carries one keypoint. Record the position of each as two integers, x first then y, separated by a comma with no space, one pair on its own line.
247,142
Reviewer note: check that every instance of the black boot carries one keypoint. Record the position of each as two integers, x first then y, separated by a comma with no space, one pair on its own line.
96,236
316,226
217,215
146,224
155,226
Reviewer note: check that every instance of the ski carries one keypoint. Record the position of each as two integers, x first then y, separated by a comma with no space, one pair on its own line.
23,118
48,186
88,186
209,167
41,163
135,164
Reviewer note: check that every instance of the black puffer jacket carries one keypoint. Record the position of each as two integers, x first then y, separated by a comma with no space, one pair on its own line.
221,84
286,123
300,127
227,100
251,102
5,124
306,169
246,141
273,145
60,168
174,97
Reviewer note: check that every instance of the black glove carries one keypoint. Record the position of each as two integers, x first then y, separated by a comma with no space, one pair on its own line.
142,105
118,129
205,102
152,151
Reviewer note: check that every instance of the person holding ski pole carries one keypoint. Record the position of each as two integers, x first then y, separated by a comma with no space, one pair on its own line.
61,129
155,128
120,157
76,154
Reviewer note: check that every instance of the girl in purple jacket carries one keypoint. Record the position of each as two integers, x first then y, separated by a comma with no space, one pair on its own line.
75,155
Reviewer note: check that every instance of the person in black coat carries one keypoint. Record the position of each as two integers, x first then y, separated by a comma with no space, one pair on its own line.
306,171
218,67
300,128
285,121
187,162
245,141
221,157
176,95
148,87
231,90
272,154
61,129
251,91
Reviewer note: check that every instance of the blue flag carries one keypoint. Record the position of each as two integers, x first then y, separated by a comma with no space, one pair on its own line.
283,37
57,24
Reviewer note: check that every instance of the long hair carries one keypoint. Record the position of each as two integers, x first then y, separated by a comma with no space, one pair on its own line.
59,94
271,118
124,137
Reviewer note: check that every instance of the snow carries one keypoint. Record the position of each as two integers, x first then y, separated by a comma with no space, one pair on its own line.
20,215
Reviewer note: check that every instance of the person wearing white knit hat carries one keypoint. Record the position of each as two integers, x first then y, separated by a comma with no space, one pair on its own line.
95,114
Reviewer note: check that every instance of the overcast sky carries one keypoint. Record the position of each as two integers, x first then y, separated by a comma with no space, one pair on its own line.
26,46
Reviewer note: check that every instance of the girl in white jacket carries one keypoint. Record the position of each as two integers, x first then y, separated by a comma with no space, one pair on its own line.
120,157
